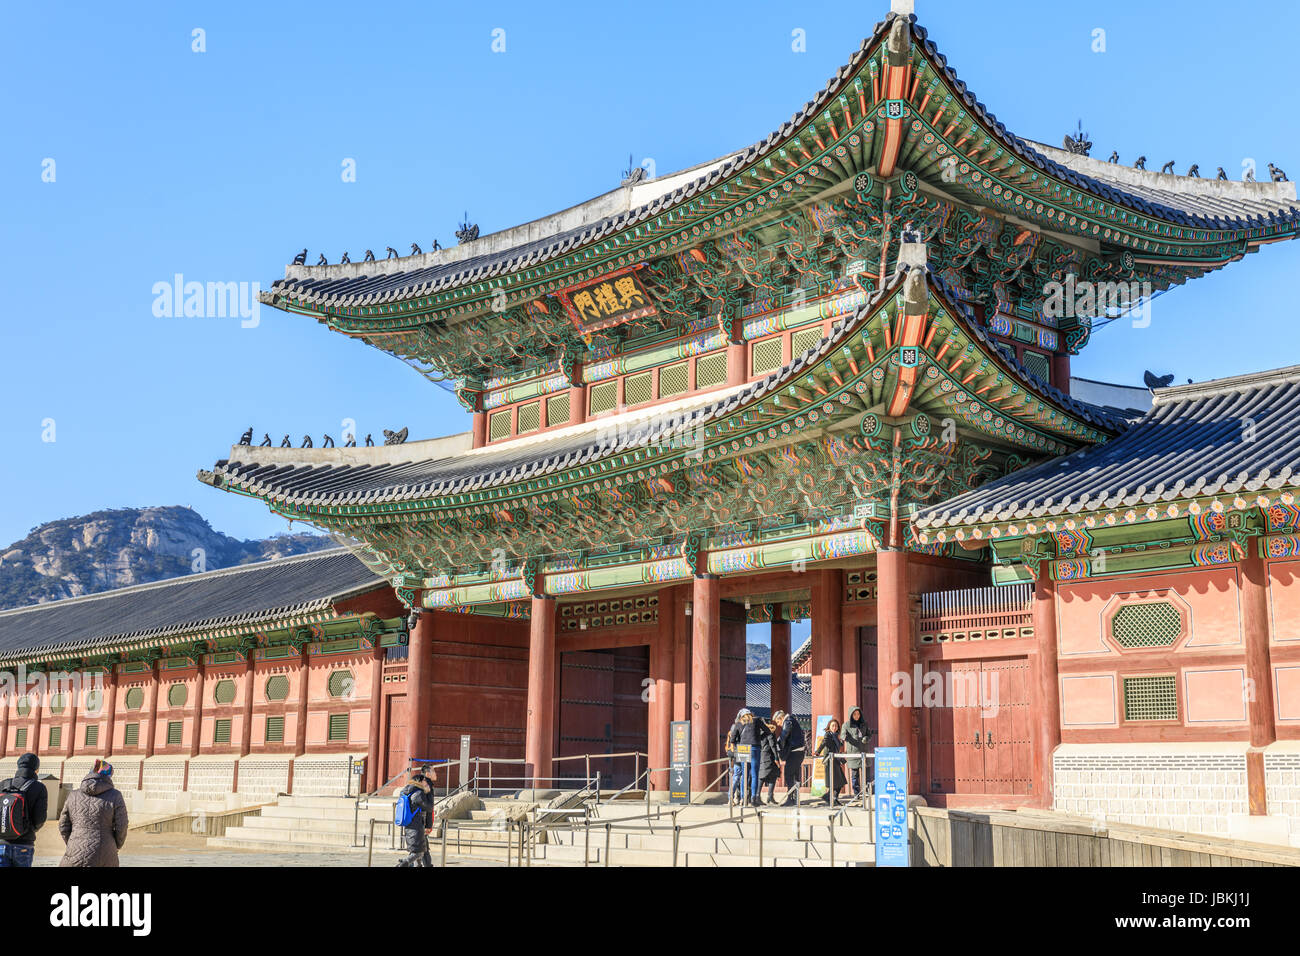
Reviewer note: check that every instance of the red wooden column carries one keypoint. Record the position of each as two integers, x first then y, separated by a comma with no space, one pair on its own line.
304,681
377,654
478,430
196,738
661,692
737,363
110,708
1259,674
246,727
894,647
419,681
780,669
706,650
577,396
154,684
34,745
539,731
828,677
1048,731
74,699
5,703
672,604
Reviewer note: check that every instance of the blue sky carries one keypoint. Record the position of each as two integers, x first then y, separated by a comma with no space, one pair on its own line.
221,165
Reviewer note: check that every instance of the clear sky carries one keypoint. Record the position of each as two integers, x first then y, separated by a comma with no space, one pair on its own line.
221,165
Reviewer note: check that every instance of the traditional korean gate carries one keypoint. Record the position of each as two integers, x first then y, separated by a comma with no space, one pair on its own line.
602,710
395,742
981,742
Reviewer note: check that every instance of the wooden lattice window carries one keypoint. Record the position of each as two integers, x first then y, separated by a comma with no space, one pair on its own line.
175,728
177,695
1151,697
134,698
277,687
1149,624
92,735
499,425
603,397
765,356
56,736
805,339
221,730
557,409
639,388
1037,364
341,683
274,730
338,729
224,692
131,735
20,738
674,379
530,417
711,370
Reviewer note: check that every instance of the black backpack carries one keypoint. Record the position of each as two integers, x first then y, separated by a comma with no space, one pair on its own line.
14,824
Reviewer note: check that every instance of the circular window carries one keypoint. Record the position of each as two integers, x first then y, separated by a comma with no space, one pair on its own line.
94,701
277,687
24,706
224,692
177,695
134,698
341,684
58,703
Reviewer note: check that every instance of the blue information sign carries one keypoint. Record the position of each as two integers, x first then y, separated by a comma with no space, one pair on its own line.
893,845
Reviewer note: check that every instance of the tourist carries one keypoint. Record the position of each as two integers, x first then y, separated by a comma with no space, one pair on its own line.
419,794
23,801
856,737
93,822
743,746
827,748
790,746
769,761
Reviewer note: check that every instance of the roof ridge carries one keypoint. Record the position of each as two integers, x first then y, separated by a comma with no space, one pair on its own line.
166,582
1288,374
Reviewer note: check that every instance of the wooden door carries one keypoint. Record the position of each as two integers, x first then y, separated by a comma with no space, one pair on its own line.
395,744
942,749
1006,721
967,727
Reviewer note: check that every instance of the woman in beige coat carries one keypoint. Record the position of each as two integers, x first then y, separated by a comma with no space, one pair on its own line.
93,821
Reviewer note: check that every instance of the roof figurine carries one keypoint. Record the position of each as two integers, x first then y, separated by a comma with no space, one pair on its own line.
1141,163
345,260
1078,143
633,174
1153,381
370,256
1276,174
415,249
247,437
266,440
1168,168
306,441
1194,170
1114,156
301,258
394,438
322,261
466,232
392,253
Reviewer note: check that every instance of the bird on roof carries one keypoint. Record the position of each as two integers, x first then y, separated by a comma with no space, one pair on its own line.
1168,167
1194,170
370,256
266,440
1141,163
286,443
415,249
392,253
1114,156
247,437
394,438
322,261
345,260
1152,381
327,442
1277,175
1222,174
306,441
301,258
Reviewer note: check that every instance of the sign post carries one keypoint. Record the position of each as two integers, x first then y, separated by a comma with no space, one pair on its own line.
464,761
818,784
893,841
679,773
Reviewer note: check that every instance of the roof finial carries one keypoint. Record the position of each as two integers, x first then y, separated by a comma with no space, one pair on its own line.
904,8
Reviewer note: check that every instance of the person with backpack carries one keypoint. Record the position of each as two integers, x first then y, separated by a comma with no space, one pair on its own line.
93,822
23,806
790,747
413,812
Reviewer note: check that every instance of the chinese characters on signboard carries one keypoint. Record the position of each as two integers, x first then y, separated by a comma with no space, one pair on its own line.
611,301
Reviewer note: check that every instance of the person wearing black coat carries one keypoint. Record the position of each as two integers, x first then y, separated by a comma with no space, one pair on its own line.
827,748
791,747
420,793
769,761
21,850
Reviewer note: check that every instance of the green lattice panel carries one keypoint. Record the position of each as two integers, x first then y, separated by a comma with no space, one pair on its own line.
340,683
1151,698
711,370
1152,624
277,687
224,692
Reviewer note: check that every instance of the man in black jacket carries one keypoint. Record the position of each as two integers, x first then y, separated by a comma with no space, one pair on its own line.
19,849
790,746
420,793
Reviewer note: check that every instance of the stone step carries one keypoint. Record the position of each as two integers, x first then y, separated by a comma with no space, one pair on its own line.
572,856
233,842
284,824
326,813
332,839
287,800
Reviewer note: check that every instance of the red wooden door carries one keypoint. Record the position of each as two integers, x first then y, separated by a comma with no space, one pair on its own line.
395,745
967,727
942,750
1006,720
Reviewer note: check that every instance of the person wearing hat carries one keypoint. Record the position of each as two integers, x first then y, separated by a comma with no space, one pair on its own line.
93,822
23,806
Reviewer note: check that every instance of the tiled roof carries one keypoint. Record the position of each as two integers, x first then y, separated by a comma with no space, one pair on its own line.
758,694
1183,200
248,594
1227,436
352,476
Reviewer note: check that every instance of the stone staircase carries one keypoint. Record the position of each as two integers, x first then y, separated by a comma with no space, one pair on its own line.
714,838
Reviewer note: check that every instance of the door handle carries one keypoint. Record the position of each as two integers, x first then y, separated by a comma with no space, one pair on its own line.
988,737
977,738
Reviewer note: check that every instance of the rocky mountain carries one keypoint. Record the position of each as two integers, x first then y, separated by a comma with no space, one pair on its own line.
112,549
758,657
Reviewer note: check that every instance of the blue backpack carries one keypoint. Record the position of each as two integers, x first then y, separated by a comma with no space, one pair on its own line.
403,813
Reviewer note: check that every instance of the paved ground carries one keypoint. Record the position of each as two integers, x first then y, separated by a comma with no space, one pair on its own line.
184,850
